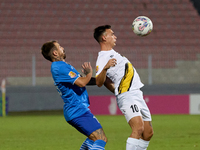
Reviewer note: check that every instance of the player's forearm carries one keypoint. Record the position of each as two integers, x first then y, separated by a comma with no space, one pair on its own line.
109,85
100,79
87,79
83,81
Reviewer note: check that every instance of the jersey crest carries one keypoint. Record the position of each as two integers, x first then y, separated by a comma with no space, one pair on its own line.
97,69
72,74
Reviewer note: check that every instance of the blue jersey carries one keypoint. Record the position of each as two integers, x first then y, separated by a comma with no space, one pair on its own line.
76,100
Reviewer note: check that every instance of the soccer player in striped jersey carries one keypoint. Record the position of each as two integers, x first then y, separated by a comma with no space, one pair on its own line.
118,74
71,87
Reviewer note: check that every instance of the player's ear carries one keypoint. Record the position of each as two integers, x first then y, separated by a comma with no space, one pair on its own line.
103,38
55,52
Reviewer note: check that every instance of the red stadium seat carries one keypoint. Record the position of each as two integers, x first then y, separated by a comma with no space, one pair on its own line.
25,26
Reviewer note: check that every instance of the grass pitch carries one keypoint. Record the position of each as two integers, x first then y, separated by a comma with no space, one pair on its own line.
50,131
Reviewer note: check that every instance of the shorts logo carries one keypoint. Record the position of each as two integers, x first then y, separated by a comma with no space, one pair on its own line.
97,69
72,74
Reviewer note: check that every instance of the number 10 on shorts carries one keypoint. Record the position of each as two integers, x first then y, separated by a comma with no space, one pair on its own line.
134,108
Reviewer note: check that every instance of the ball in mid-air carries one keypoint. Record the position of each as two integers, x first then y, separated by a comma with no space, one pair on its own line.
142,26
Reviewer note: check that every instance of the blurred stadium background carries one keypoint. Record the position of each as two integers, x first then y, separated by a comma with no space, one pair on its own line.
168,60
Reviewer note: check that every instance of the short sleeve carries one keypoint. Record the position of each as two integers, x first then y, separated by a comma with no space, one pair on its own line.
65,73
100,63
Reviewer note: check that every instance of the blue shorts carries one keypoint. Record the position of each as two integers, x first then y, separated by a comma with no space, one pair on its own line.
86,123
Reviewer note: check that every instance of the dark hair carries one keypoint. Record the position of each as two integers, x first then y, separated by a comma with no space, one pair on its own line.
99,31
46,48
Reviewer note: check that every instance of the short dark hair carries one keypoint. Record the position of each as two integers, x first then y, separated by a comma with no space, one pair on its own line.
46,48
99,31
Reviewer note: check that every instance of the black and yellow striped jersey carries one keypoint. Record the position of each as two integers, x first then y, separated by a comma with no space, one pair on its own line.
123,74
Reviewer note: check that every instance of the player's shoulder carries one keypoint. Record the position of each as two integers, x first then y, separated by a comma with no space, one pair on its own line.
60,66
105,54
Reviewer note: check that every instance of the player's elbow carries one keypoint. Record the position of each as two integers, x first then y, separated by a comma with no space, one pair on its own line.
99,81
82,85
99,84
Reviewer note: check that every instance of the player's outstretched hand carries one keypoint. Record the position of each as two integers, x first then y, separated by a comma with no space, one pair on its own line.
111,63
87,68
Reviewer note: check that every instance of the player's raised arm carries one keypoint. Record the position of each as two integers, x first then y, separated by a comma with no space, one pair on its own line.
101,78
87,70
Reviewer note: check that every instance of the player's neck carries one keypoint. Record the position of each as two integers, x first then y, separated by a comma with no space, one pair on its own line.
105,47
58,59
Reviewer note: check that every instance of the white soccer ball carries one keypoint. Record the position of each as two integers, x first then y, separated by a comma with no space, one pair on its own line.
142,26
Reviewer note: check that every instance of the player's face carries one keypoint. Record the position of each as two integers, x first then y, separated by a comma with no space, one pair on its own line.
61,51
110,37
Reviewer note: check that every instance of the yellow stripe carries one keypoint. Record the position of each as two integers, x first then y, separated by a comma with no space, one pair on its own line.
126,81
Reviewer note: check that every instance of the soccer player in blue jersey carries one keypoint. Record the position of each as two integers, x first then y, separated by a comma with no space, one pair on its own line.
71,87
